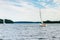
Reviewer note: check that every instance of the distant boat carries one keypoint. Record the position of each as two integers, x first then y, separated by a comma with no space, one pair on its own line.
42,24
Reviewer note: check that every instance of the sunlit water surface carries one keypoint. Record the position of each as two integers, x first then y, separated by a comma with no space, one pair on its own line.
29,31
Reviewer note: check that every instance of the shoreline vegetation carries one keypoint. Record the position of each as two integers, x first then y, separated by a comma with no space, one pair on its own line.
47,21
2,21
7,21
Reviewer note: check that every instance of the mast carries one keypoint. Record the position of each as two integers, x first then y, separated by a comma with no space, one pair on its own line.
3,21
41,16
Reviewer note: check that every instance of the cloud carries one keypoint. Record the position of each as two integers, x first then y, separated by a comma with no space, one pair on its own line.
45,3
50,14
25,13
57,1
35,3
27,10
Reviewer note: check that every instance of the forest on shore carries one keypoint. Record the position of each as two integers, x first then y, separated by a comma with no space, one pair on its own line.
6,21
10,21
47,21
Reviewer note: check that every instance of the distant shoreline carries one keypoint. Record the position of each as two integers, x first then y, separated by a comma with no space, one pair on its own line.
7,21
37,22
27,22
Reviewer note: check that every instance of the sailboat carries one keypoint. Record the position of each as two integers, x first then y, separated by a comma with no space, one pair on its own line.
42,24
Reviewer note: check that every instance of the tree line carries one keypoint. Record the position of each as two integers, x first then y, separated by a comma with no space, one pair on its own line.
48,21
6,21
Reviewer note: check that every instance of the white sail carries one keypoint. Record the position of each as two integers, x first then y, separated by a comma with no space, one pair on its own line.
3,21
41,16
42,24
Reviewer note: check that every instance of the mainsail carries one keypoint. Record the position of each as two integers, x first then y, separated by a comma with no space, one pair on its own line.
41,16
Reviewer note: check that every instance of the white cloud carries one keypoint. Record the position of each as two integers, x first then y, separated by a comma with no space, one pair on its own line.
51,14
58,1
26,12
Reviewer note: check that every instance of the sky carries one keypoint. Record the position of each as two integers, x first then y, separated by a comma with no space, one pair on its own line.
29,10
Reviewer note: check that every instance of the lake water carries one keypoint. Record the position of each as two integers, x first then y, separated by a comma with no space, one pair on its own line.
29,31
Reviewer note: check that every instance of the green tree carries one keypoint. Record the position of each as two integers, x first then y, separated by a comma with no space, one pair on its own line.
1,20
8,21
